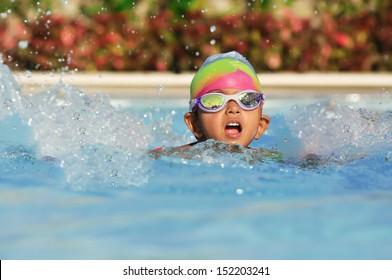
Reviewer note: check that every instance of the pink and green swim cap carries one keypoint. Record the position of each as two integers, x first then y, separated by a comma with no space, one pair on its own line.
224,70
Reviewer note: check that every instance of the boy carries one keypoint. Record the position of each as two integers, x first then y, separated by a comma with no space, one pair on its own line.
225,105
226,101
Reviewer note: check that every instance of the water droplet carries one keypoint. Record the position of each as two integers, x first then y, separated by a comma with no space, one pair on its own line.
239,191
212,42
28,74
82,131
159,90
7,104
108,158
114,173
212,28
76,116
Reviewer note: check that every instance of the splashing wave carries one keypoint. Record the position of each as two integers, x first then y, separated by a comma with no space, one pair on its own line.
94,143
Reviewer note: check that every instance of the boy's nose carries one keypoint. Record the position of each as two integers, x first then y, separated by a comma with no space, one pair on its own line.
232,107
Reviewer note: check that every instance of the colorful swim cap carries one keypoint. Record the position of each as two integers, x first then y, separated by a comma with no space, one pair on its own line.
224,70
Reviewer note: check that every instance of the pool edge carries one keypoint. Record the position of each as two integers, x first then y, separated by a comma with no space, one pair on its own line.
149,84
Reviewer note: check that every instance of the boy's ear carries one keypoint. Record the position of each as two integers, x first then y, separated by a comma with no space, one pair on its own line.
192,121
263,125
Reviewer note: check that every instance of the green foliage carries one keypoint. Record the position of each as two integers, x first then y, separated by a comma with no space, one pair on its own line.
10,6
23,7
179,8
108,6
116,6
268,5
338,8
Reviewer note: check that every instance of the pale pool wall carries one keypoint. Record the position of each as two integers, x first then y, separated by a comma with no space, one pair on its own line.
147,85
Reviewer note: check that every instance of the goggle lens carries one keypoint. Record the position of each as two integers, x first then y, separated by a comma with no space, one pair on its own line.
250,99
213,102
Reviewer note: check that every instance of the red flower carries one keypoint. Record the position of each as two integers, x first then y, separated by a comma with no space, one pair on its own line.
112,38
67,36
343,40
8,42
118,63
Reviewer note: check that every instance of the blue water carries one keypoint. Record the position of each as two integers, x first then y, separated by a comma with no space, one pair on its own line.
77,181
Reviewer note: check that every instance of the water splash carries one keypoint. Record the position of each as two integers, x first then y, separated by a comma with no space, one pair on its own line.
216,153
339,131
94,143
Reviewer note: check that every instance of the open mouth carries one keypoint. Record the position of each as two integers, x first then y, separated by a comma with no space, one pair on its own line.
233,129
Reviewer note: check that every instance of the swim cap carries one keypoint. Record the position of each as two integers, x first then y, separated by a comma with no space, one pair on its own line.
224,70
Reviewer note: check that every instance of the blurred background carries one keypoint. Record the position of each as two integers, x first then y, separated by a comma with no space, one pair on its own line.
176,36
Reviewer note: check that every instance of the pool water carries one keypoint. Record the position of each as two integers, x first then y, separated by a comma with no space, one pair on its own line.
77,180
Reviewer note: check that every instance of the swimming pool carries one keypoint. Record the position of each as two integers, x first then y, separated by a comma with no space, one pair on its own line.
77,180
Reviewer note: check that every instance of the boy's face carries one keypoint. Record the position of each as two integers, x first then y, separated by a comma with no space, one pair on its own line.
232,124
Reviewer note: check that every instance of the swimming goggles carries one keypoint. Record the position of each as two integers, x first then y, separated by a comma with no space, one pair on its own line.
215,101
